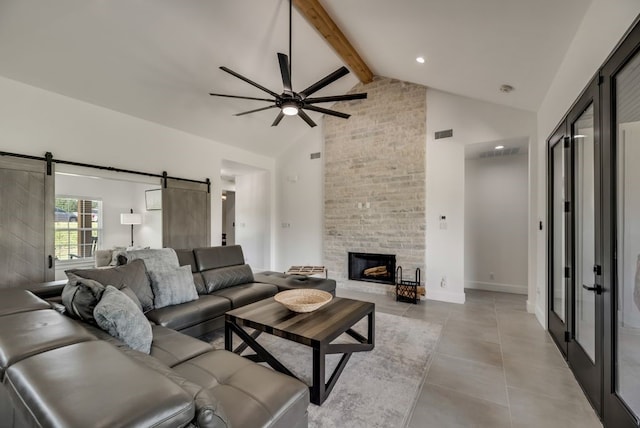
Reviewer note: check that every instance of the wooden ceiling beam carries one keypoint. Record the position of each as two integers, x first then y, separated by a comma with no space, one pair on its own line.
318,17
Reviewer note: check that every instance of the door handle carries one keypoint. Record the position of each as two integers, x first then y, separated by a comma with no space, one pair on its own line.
596,288
50,261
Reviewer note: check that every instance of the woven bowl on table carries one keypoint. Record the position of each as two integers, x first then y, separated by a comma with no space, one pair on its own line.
304,300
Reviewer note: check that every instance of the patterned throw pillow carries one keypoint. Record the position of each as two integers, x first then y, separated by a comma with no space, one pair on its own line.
216,279
119,316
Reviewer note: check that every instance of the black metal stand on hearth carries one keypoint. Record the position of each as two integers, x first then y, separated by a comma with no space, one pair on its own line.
407,291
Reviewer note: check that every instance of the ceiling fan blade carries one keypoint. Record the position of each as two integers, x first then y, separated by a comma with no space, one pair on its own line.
251,82
242,98
253,111
306,118
327,111
342,71
348,97
284,70
278,119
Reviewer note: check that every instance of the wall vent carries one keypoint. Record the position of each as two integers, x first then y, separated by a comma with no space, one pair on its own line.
500,153
444,134
315,155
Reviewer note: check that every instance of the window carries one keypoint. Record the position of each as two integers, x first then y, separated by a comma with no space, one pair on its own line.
78,227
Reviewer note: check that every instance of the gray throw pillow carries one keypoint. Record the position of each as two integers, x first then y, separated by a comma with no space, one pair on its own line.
80,296
172,287
119,316
158,259
133,275
224,277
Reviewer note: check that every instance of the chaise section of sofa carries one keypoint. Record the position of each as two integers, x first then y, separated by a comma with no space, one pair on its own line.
61,372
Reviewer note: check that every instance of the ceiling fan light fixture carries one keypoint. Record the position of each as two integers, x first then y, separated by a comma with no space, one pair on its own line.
290,109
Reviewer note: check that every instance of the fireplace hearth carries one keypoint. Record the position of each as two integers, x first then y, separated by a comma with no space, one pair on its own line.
371,267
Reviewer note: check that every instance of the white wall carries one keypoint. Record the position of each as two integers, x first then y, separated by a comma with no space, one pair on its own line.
603,26
496,214
34,121
472,121
300,204
253,218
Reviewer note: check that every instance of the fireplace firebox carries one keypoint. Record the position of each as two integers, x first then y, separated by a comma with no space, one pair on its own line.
372,267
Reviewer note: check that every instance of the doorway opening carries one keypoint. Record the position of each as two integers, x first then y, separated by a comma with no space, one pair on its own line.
228,217
496,242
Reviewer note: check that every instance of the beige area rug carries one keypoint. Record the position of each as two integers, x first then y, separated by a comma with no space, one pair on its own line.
376,388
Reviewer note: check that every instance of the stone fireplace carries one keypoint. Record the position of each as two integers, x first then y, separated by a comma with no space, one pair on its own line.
374,181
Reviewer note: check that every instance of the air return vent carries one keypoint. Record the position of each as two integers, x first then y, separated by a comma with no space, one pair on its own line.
500,153
444,134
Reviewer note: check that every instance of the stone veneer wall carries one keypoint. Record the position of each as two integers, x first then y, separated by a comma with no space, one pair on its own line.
376,156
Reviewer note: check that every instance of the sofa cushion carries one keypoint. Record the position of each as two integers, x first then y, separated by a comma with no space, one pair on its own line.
172,347
133,275
172,287
93,384
216,279
217,257
29,333
186,257
16,300
244,294
118,315
185,315
80,296
293,282
251,395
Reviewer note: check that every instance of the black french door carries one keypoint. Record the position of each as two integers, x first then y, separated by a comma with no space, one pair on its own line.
575,242
594,237
621,223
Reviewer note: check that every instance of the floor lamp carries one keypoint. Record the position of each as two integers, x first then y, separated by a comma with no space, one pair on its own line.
131,219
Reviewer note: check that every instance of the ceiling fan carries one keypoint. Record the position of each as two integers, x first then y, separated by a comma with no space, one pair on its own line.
293,103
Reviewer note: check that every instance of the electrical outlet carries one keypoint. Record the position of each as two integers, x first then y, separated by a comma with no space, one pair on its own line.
443,282
491,275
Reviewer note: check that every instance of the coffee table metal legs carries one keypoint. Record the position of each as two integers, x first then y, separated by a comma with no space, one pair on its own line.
319,390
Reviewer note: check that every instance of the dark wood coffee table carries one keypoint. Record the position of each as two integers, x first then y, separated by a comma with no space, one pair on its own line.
315,329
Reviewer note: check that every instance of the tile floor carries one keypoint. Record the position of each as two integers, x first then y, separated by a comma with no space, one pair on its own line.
494,366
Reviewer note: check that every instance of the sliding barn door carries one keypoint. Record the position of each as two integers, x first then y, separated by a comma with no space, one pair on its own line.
186,214
26,222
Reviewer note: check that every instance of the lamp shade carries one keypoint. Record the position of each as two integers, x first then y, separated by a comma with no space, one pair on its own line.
130,218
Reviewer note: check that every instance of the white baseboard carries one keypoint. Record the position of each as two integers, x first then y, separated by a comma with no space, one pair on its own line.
531,307
494,286
445,296
540,316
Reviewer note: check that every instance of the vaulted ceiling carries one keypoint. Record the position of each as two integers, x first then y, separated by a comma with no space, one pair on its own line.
158,59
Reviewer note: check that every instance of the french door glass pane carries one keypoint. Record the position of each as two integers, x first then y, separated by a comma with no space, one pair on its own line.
558,283
627,84
585,257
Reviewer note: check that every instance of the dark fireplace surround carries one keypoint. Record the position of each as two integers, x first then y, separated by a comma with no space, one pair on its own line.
380,268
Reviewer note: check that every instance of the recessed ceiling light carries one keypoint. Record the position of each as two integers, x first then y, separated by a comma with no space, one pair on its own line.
499,147
506,88
420,59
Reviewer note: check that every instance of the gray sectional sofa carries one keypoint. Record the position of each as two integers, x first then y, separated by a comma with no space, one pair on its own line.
58,369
